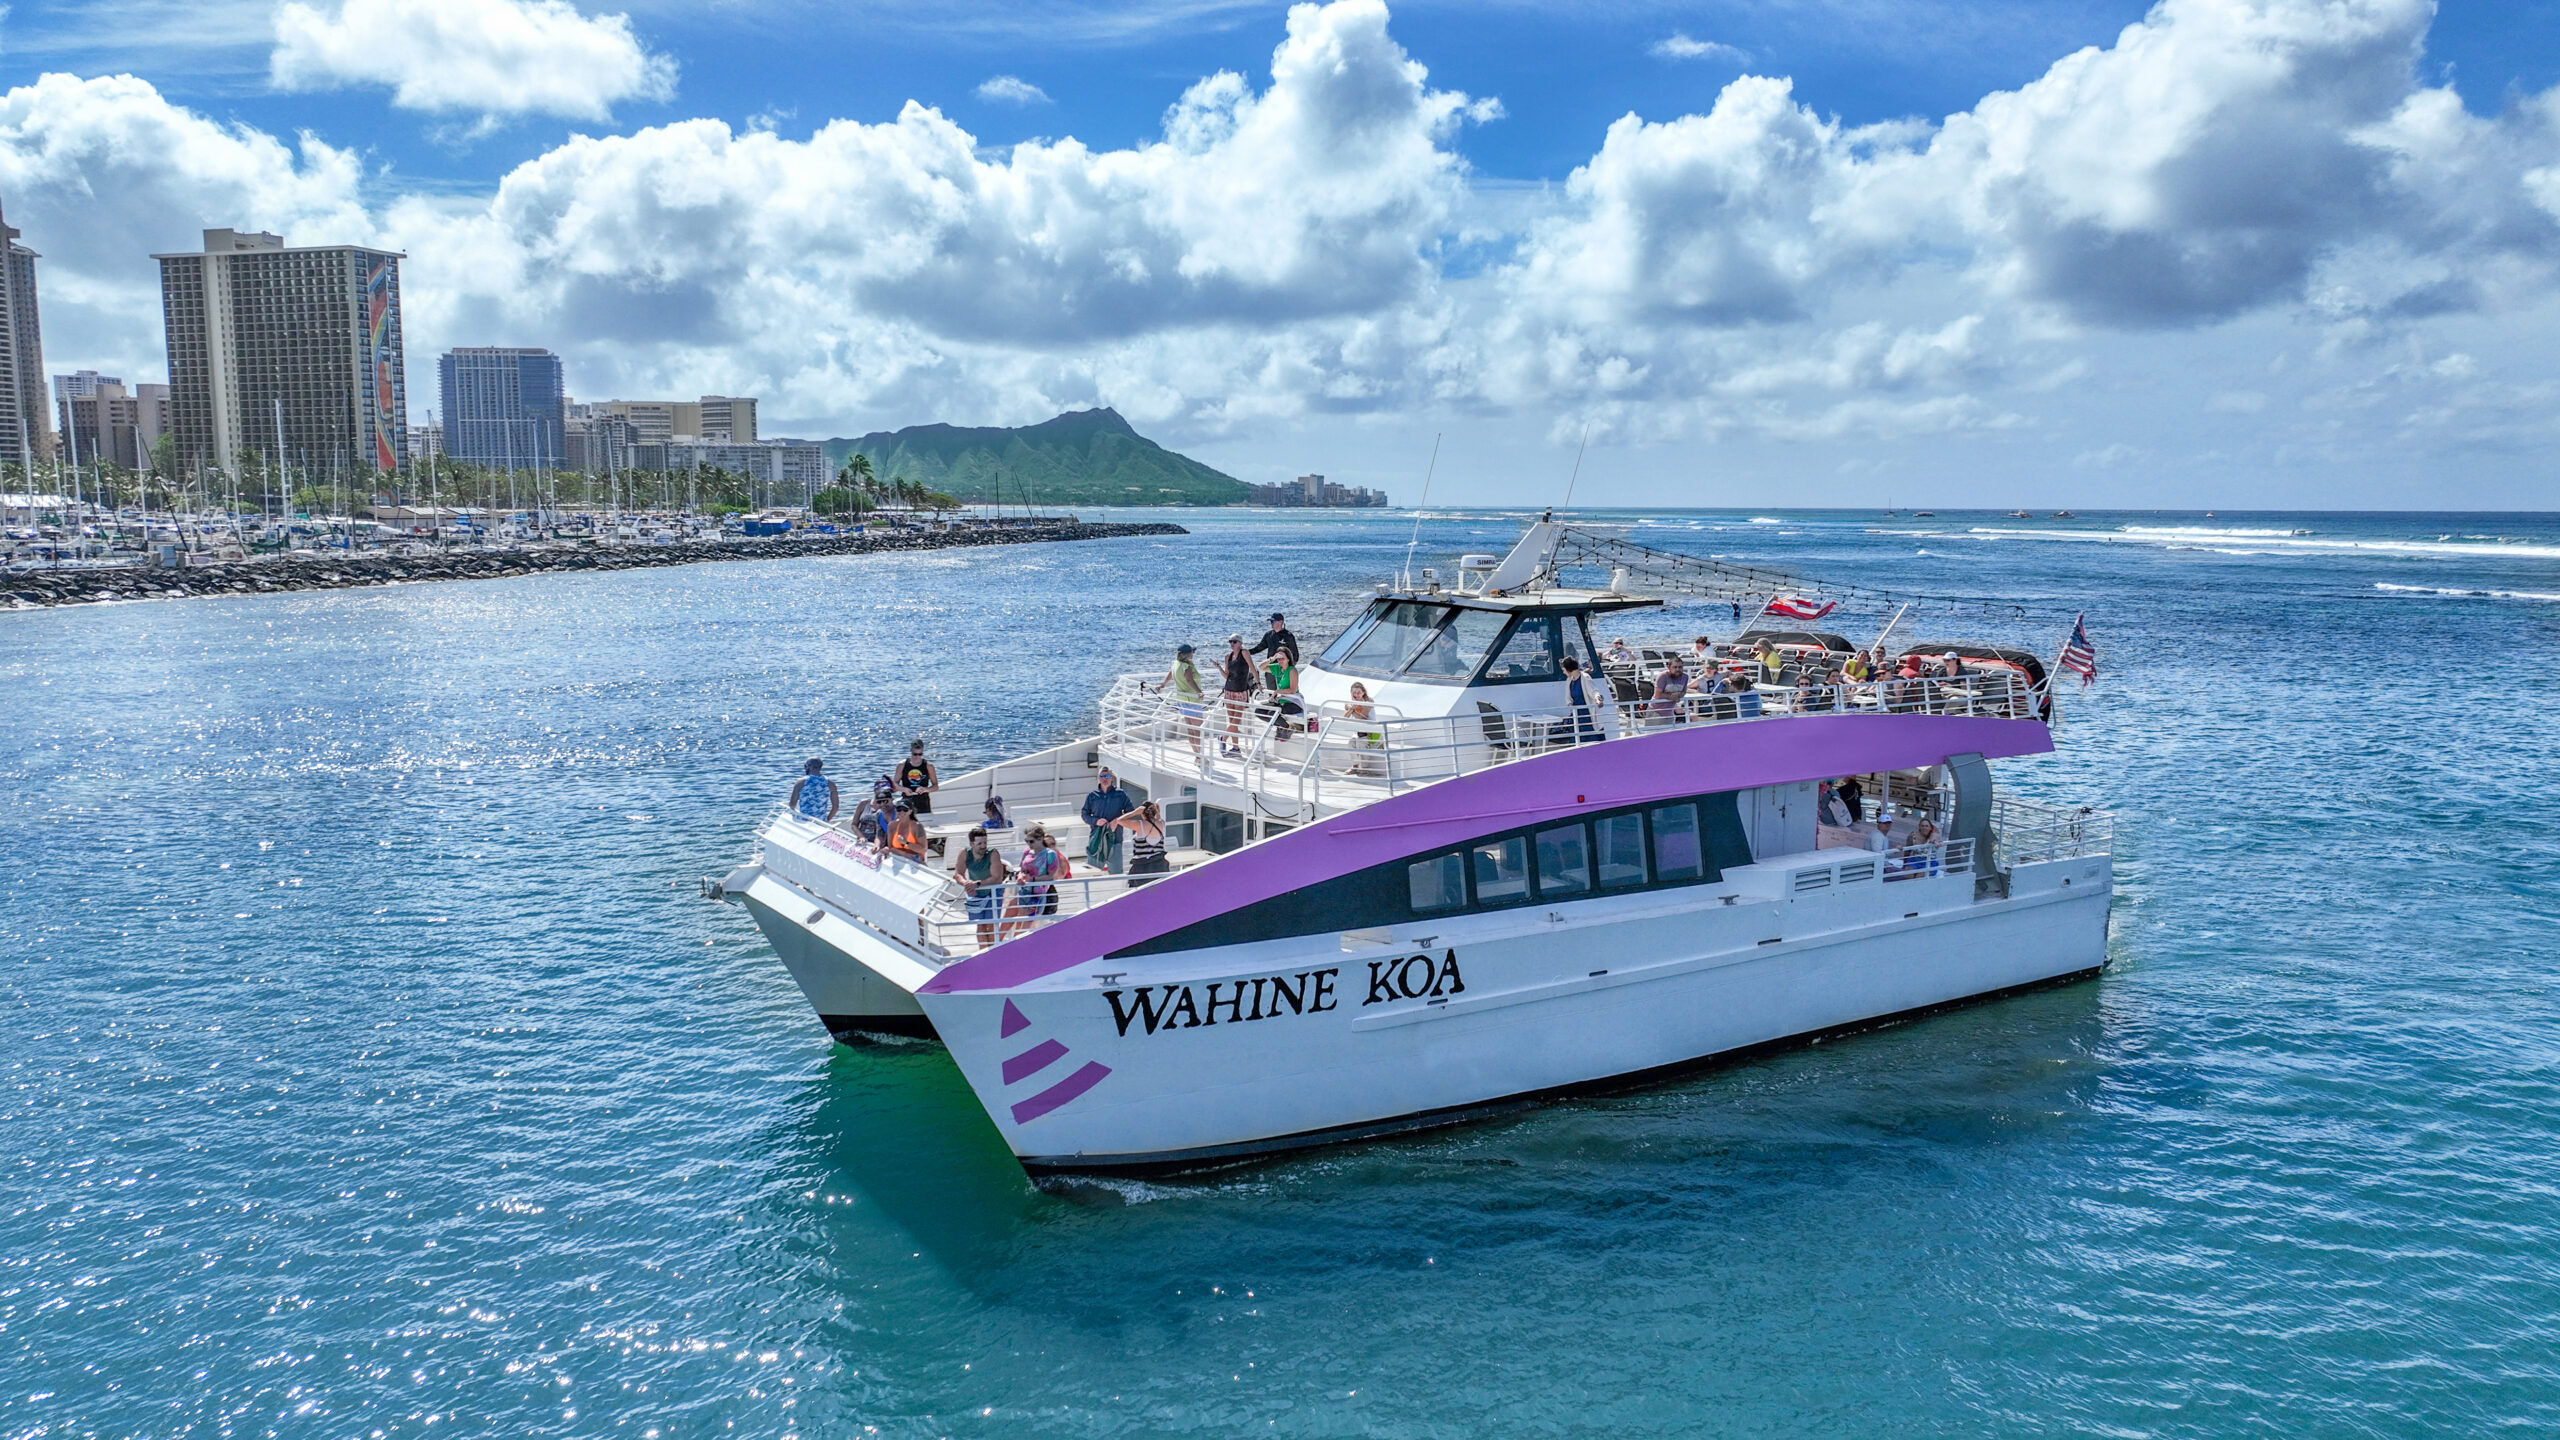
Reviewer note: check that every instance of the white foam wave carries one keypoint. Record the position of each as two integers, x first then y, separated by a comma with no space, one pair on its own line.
1767,520
2279,543
2467,594
2212,532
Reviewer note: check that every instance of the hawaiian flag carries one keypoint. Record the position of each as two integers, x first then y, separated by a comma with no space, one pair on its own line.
1796,607
2078,655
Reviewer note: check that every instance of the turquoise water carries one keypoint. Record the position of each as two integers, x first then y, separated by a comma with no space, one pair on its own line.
372,1069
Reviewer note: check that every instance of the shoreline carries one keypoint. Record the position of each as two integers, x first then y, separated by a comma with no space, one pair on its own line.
45,589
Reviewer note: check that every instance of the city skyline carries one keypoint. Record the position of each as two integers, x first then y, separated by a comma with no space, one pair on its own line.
2209,252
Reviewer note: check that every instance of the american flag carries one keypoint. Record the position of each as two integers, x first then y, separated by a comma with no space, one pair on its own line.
2078,655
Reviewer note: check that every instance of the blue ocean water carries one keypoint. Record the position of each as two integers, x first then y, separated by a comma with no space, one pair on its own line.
372,1069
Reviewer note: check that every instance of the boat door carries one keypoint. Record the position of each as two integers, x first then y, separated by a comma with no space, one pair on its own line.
1778,818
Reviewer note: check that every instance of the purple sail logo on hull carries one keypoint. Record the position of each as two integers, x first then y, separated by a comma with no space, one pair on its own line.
1041,1056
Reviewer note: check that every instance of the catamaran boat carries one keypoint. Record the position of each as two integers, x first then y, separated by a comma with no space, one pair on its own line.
1462,893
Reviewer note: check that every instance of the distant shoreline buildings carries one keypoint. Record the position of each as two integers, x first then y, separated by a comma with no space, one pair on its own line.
288,364
1314,491
98,418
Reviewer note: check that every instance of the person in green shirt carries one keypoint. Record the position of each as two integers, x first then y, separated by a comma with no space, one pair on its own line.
1181,685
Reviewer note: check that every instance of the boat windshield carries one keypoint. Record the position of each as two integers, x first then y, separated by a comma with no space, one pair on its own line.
1415,640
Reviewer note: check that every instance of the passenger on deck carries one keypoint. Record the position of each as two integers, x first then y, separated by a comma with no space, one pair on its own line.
1277,640
1746,696
1771,661
1619,654
906,835
1854,796
981,873
1669,689
1280,676
1181,685
1702,659
813,794
1040,867
1105,805
993,817
1364,737
1827,809
871,817
1856,669
916,780
1583,702
1145,827
1807,696
1235,692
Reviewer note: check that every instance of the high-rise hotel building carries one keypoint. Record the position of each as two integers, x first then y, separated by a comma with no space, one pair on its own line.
274,345
26,415
503,407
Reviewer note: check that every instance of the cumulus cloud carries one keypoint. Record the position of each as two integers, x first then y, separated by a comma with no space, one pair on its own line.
1286,249
1319,195
495,58
1679,46
1012,90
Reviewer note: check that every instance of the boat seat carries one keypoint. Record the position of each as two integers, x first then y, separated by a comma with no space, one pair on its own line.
1497,726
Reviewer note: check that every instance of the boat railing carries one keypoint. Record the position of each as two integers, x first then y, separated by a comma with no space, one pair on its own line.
1895,863
2031,834
1325,757
1013,908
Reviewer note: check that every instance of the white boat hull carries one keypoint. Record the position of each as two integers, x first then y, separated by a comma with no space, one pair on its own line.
1075,1078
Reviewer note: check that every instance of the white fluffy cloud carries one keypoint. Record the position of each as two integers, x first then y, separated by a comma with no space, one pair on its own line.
1680,46
2251,209
493,58
1012,90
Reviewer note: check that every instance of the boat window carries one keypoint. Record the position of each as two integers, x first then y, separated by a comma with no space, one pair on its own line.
1335,653
1221,830
1675,843
1692,841
1398,631
1529,653
1439,883
1577,642
1619,849
1457,648
1502,870
1564,863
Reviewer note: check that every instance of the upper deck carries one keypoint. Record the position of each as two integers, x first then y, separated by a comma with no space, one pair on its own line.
1340,755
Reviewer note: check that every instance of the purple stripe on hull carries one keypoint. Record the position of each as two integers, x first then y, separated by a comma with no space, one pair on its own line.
1034,1060
1688,760
1060,1093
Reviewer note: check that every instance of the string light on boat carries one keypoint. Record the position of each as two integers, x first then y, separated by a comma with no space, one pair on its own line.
1711,577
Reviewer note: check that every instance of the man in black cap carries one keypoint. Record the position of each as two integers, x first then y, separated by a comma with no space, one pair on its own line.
1277,640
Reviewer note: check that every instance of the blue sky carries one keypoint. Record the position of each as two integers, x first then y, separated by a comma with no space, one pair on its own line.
2176,271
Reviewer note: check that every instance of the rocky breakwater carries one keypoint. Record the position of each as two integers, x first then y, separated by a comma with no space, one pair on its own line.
308,570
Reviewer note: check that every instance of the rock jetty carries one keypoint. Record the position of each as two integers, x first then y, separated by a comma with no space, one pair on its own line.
309,570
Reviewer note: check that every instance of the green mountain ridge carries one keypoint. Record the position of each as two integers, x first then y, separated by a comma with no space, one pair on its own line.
1084,457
